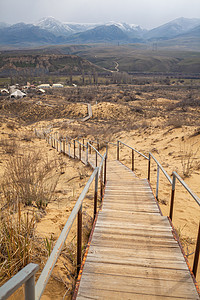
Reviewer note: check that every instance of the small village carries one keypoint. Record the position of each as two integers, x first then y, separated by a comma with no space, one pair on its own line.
17,91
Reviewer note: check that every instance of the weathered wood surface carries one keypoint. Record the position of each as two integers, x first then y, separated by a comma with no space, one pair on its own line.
133,254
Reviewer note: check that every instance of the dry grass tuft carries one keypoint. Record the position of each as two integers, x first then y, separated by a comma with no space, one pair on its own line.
16,234
27,180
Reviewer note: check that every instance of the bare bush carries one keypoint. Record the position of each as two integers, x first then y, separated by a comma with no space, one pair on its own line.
9,146
27,180
175,122
188,159
16,234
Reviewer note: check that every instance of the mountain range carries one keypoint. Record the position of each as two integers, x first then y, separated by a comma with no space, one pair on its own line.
49,31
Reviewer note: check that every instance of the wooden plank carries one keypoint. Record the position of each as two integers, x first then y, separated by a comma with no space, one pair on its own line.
136,231
146,286
142,286
113,295
133,254
137,271
134,239
146,253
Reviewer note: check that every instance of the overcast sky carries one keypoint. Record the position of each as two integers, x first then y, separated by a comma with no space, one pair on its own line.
146,13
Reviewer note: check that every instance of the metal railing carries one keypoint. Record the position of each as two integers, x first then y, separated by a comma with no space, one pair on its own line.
173,187
27,275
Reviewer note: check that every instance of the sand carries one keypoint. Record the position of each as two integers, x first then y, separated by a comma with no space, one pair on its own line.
113,121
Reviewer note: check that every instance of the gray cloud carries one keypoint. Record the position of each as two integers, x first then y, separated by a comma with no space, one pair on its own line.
147,13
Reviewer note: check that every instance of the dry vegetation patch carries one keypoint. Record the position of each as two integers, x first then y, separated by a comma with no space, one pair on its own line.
149,118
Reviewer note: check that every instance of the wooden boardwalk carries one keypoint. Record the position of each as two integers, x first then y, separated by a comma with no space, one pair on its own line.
133,254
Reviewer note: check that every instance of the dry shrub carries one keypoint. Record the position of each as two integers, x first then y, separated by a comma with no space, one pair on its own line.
175,122
188,159
11,125
16,235
27,180
9,146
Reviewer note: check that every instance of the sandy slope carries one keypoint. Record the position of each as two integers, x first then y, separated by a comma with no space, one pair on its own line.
144,126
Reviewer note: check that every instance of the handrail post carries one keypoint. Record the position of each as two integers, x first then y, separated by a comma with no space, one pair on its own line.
69,145
172,196
96,159
64,146
87,154
157,183
80,151
105,165
132,160
149,167
83,144
95,194
196,257
60,147
117,150
101,181
106,149
97,145
74,149
79,240
90,150
30,288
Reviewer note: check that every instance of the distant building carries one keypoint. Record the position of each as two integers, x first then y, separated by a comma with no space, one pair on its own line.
17,94
44,86
40,92
4,92
57,85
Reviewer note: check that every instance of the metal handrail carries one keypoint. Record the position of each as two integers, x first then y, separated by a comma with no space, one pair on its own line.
95,150
161,167
173,185
43,279
25,276
195,197
133,149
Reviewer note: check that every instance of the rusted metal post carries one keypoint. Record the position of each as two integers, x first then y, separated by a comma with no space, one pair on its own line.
105,163
107,149
172,196
98,146
95,195
83,144
64,146
149,167
79,240
74,149
69,145
157,182
96,159
87,154
132,160
117,150
101,182
90,149
60,146
196,257
79,151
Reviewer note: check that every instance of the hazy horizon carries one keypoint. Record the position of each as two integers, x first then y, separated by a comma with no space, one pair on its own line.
147,14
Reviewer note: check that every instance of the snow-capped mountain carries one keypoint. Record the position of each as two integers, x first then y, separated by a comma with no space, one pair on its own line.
81,27
50,31
126,27
174,28
54,26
